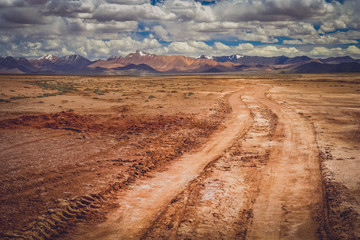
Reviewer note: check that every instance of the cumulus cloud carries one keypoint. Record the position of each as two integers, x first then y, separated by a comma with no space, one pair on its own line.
292,42
272,51
353,51
24,16
118,12
221,46
190,48
68,8
274,10
183,24
244,47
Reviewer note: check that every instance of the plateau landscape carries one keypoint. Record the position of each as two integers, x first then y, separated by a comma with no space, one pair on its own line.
179,119
145,63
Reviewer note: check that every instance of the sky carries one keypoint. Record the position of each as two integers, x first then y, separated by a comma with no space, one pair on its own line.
103,28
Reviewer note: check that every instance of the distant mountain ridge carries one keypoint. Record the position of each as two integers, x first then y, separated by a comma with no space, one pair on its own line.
316,67
145,63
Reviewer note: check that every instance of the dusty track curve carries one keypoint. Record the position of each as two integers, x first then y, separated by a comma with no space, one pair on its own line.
259,178
140,205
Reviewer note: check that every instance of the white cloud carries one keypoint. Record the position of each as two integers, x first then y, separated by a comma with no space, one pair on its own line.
292,42
184,24
221,46
192,48
326,52
353,51
272,51
65,51
124,46
160,32
244,46
35,45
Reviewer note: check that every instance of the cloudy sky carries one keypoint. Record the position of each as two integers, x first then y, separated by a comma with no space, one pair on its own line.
101,28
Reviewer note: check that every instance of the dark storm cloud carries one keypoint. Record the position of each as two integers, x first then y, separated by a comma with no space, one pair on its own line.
24,16
133,2
119,12
68,8
36,2
272,10
21,3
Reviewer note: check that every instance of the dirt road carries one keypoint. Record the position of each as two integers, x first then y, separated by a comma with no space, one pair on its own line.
141,204
259,178
289,202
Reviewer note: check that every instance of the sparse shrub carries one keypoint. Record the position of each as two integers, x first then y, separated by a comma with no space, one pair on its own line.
62,88
151,96
98,92
49,94
18,97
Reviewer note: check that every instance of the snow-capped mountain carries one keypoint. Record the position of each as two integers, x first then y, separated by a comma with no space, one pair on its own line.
236,56
45,62
161,63
205,57
139,54
74,60
48,57
142,62
256,60
71,64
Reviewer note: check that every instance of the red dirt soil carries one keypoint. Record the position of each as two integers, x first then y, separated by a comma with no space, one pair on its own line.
131,147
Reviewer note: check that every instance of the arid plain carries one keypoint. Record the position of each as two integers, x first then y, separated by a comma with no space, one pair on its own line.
180,157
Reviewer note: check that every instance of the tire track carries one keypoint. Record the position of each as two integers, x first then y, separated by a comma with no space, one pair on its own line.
140,205
217,205
289,205
266,186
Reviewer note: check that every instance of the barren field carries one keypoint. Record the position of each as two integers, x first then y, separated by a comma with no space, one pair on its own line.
180,157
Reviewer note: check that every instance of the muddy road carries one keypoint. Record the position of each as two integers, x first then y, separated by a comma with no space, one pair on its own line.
258,178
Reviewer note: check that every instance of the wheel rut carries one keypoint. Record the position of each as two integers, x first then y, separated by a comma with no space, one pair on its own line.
140,205
217,205
289,204
265,186
259,178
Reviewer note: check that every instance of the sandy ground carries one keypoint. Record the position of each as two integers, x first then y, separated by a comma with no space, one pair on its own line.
191,157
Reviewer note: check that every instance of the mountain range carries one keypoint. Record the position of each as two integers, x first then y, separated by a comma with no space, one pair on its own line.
145,63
